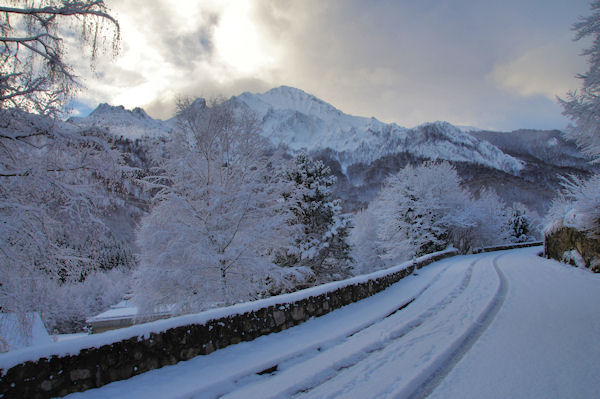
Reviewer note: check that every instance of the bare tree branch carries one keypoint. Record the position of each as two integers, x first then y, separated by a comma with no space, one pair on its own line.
34,76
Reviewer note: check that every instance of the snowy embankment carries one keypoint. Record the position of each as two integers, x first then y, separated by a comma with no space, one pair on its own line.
494,325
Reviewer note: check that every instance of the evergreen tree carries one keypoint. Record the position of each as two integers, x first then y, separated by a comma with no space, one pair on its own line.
321,230
519,224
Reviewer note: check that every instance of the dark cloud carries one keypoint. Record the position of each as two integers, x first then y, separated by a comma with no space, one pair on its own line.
163,107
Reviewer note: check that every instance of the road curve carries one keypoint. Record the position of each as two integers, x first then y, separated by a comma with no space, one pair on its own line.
544,341
406,364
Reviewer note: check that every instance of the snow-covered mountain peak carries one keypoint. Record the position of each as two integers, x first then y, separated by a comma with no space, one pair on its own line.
302,121
289,98
106,108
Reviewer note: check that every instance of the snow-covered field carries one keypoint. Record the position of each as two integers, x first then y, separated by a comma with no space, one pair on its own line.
497,325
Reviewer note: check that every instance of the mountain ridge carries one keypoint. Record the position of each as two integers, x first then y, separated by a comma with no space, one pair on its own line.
302,121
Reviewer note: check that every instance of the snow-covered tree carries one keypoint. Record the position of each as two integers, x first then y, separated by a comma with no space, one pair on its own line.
366,252
577,206
55,186
583,106
520,224
424,209
321,230
55,180
480,222
216,214
415,207
34,75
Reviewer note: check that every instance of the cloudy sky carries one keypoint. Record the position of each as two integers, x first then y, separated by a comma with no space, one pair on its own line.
484,63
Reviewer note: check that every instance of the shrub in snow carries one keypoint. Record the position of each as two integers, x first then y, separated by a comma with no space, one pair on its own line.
70,304
520,225
215,218
320,230
577,206
574,258
281,280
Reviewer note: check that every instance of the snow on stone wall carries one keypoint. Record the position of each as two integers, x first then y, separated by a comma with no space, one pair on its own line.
96,360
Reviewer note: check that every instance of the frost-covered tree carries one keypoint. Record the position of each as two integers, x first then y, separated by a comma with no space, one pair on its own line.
216,214
56,181
414,208
480,222
520,225
321,230
55,187
577,206
423,209
34,75
366,252
583,106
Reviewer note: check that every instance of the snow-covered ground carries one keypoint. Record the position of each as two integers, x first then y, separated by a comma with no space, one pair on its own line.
493,325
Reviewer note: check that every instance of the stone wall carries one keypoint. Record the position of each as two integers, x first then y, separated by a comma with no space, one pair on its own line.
567,239
509,246
96,366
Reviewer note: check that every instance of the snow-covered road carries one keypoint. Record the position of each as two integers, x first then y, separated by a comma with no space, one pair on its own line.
503,324
544,341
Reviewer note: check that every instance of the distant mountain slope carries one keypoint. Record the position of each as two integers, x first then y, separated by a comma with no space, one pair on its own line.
547,146
123,122
300,120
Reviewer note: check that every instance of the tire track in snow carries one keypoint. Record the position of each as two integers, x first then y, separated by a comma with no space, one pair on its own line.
397,334
290,380
433,377
267,369
296,358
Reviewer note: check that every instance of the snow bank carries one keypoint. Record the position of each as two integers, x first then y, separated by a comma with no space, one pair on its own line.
21,331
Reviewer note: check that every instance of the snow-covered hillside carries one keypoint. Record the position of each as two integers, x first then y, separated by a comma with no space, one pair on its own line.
547,146
301,121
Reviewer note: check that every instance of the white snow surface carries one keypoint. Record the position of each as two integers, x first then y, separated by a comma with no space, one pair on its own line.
507,324
123,309
22,331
